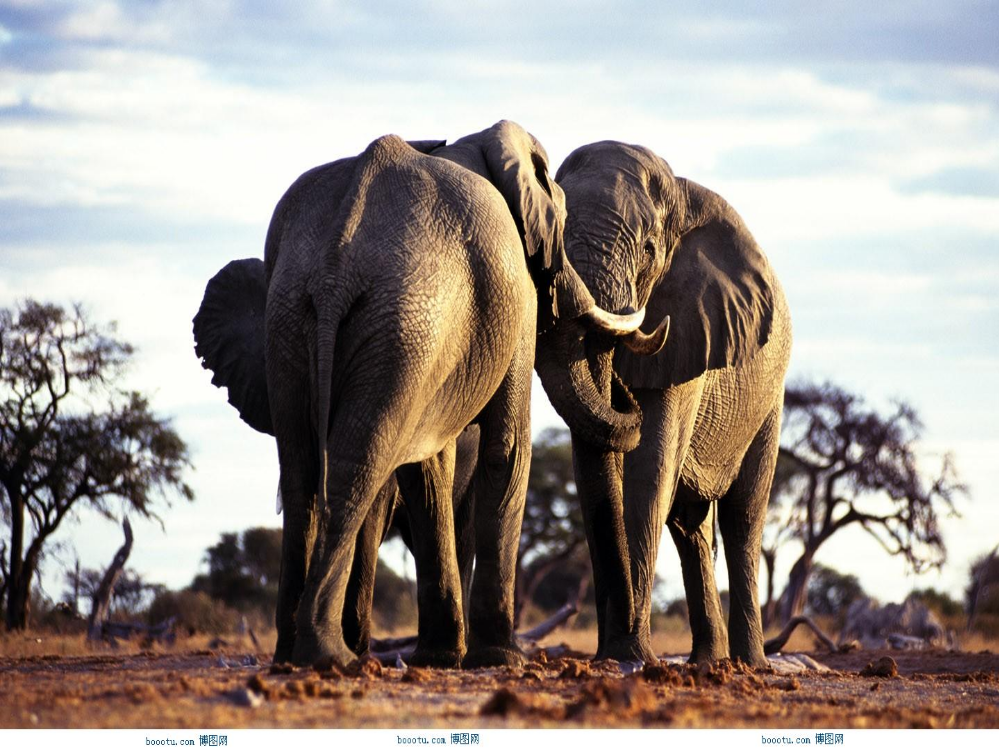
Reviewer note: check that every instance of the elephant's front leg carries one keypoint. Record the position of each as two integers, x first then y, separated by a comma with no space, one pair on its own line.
464,519
598,483
426,489
298,493
741,515
651,474
298,535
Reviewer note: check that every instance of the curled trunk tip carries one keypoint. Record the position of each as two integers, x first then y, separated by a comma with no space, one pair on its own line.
610,420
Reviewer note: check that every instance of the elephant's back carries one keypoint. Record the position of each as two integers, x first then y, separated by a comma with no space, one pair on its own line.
439,238
441,294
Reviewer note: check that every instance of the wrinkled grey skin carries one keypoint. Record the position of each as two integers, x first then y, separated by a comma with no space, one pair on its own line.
229,332
708,405
389,512
399,309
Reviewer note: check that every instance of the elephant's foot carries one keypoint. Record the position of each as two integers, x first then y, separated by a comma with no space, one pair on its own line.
707,655
313,650
751,655
628,649
436,658
494,656
709,651
283,650
360,645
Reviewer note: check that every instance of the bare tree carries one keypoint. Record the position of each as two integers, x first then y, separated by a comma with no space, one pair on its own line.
982,594
69,438
552,530
781,528
849,465
4,573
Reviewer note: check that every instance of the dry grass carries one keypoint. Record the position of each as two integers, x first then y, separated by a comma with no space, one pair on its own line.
40,643
672,639
670,636
975,642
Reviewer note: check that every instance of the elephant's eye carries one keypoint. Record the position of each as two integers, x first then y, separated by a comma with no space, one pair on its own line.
650,248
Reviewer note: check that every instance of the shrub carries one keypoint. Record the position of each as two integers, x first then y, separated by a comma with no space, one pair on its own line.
394,605
196,612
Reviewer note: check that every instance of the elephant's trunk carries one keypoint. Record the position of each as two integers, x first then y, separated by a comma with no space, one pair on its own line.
572,300
585,391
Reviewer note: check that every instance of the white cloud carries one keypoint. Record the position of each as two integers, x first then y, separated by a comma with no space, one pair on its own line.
838,347
181,110
818,208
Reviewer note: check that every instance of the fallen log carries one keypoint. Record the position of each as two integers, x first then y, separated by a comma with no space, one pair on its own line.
392,644
542,629
390,651
164,631
101,602
778,642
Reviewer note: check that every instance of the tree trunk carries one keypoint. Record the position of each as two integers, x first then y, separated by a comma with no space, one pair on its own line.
792,601
529,578
18,600
102,597
76,587
19,575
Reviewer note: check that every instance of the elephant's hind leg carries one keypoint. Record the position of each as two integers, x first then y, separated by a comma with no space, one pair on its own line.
426,488
352,486
500,487
361,584
298,492
741,515
691,524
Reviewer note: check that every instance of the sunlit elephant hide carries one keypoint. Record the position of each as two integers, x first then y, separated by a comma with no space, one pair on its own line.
402,289
704,411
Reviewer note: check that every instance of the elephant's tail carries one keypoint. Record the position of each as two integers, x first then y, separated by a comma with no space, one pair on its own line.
229,338
331,296
328,317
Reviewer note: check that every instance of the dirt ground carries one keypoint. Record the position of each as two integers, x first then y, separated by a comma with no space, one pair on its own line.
181,687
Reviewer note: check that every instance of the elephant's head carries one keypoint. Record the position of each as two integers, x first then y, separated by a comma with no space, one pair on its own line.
517,165
643,239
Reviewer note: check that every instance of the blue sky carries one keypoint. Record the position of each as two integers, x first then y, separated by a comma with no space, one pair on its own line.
144,144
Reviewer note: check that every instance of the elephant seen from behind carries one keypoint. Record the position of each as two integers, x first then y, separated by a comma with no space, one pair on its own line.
402,290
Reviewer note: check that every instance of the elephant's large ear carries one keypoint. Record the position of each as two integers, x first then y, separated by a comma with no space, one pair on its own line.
229,338
720,294
518,167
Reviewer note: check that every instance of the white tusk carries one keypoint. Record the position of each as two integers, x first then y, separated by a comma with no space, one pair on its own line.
648,343
612,323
